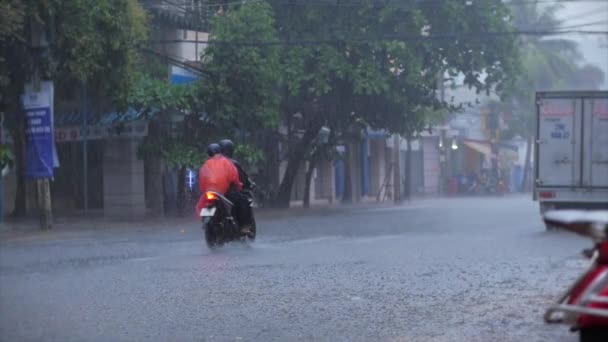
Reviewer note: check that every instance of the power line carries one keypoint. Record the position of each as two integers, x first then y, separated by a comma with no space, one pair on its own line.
425,2
190,6
592,12
446,36
599,22
353,3
173,60
430,2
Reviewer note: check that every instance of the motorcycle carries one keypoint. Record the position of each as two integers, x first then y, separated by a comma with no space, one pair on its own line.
584,306
219,223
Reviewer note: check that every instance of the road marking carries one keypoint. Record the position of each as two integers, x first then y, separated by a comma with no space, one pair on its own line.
144,259
397,208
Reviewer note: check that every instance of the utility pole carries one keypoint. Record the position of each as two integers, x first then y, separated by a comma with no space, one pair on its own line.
493,126
442,136
408,169
442,160
85,132
1,170
38,45
397,169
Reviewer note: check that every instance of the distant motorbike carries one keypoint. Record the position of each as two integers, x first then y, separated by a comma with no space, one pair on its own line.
219,222
585,305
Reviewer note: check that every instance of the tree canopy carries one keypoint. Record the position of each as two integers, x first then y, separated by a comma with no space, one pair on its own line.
547,63
92,41
344,66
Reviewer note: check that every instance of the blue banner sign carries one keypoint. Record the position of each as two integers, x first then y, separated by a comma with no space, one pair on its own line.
38,108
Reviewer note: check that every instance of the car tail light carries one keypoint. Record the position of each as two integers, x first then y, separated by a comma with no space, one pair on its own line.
210,196
547,194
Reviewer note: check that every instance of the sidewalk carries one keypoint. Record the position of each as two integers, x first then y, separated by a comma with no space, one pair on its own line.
96,221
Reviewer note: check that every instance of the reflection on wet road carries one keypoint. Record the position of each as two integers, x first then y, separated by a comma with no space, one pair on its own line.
446,270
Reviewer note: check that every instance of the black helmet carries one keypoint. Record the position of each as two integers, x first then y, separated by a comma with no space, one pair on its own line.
213,149
227,147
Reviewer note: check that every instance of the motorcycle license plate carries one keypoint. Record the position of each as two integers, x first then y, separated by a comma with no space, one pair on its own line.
207,212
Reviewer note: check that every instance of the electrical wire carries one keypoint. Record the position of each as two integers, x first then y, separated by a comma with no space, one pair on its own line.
173,60
595,23
446,36
353,3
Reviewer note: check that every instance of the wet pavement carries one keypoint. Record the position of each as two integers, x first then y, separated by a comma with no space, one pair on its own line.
478,269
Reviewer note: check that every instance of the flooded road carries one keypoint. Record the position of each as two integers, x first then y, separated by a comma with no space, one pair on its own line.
478,269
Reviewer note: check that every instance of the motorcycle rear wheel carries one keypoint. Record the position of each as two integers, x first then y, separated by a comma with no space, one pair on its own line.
212,238
251,237
599,334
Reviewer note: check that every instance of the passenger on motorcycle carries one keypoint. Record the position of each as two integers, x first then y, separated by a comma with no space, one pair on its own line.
218,174
244,211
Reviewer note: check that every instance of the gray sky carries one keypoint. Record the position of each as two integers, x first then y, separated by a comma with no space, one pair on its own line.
593,47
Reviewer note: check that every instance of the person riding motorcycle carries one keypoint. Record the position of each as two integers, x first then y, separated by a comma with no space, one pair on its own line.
227,149
244,211
220,175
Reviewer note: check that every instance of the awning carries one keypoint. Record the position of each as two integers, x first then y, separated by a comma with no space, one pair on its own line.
482,148
73,119
377,133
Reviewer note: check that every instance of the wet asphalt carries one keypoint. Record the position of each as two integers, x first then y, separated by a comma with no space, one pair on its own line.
475,269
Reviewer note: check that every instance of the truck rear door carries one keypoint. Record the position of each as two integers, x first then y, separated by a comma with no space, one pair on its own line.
559,142
595,156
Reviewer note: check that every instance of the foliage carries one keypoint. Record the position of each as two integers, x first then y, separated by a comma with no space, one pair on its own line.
151,94
92,41
183,155
11,20
11,16
367,74
249,156
484,64
359,70
175,154
547,64
89,40
240,92
6,157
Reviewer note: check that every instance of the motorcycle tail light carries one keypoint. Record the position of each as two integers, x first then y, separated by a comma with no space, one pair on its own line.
547,194
210,196
603,253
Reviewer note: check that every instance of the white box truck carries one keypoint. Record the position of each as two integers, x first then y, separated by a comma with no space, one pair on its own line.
571,150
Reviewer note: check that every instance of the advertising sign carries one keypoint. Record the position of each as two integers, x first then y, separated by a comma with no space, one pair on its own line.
38,108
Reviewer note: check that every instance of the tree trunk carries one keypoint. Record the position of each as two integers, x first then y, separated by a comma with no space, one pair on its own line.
408,169
293,165
44,203
312,164
181,189
397,169
526,176
347,195
271,172
17,131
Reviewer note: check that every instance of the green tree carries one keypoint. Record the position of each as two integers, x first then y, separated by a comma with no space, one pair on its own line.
346,67
324,83
239,91
89,41
391,82
548,63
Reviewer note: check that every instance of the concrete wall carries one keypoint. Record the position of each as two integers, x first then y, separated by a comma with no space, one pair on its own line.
355,169
430,156
124,191
154,186
377,167
323,182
